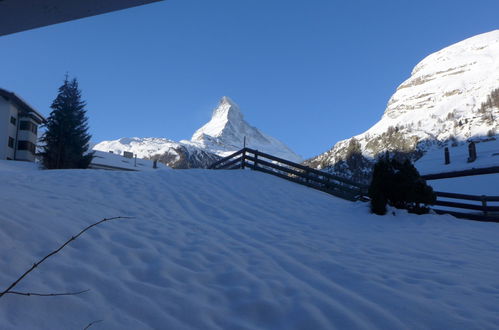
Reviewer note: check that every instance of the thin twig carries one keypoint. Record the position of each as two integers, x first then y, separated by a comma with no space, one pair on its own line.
92,323
56,251
47,294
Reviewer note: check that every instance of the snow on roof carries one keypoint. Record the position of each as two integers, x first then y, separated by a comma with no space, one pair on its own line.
22,103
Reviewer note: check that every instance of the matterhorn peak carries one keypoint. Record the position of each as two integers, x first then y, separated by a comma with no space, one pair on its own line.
227,110
227,131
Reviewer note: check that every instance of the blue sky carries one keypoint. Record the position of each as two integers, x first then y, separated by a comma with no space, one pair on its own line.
309,73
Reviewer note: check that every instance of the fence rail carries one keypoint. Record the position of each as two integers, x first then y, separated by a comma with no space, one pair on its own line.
456,174
263,162
486,212
348,189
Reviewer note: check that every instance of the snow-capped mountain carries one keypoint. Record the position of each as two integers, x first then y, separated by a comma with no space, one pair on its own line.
222,135
226,130
451,96
171,153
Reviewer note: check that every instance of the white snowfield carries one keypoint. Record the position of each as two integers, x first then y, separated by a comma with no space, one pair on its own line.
433,161
109,160
233,250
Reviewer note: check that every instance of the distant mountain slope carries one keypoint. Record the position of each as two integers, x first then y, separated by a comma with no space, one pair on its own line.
451,96
171,153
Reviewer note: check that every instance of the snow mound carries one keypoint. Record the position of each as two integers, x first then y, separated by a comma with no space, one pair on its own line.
234,250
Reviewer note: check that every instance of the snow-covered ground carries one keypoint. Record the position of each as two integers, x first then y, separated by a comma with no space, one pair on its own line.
234,250
433,161
110,160
487,184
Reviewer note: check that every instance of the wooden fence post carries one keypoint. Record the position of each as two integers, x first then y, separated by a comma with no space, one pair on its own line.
255,164
484,205
471,152
243,159
447,156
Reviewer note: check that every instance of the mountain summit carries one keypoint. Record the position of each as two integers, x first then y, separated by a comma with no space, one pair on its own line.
221,136
227,129
451,96
226,124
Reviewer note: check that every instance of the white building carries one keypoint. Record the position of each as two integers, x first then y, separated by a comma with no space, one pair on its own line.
18,127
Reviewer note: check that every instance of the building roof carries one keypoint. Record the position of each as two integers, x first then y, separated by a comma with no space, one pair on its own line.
23,105
21,15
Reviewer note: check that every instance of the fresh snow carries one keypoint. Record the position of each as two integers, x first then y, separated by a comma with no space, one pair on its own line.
117,161
142,147
433,161
233,250
486,184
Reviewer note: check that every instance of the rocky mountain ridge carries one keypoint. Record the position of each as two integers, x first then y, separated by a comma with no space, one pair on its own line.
451,96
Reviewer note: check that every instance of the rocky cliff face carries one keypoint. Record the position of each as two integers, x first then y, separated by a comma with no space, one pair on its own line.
221,136
450,97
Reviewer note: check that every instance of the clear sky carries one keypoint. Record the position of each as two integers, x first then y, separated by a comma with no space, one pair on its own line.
309,72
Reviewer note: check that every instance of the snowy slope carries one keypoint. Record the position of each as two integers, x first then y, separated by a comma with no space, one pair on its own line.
433,161
441,101
234,250
171,153
142,147
225,132
105,159
221,136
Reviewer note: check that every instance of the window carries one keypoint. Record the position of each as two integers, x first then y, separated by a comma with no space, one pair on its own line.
11,142
13,120
26,145
25,125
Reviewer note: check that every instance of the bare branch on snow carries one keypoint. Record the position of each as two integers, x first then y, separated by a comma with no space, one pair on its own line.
36,264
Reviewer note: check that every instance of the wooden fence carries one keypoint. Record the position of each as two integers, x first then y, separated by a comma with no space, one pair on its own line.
348,189
259,161
483,211
456,174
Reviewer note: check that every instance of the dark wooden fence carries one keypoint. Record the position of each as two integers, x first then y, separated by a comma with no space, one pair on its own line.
483,211
348,189
259,161
456,174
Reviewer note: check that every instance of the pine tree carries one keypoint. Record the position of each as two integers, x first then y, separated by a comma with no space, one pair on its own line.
381,181
65,141
400,185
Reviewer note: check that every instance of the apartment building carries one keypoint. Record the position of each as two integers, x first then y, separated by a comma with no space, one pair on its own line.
18,127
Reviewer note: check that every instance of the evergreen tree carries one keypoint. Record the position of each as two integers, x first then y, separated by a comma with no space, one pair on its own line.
400,185
381,181
65,141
